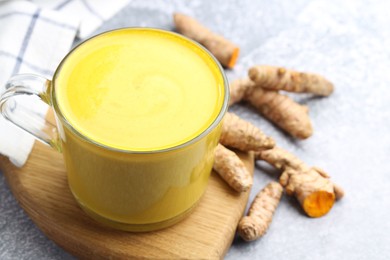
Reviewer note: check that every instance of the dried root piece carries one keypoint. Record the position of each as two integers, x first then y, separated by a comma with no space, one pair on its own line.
314,192
310,185
225,51
278,78
239,90
281,159
283,111
242,135
260,213
279,109
230,167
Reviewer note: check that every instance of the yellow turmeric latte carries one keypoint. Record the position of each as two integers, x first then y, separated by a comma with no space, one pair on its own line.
129,92
139,91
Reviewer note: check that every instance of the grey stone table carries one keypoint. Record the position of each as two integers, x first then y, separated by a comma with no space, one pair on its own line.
349,43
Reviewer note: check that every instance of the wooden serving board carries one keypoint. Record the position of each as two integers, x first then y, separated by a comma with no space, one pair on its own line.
42,190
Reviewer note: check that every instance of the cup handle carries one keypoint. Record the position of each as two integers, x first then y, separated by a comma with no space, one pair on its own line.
18,113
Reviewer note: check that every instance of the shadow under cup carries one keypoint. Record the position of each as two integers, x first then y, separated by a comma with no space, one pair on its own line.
137,190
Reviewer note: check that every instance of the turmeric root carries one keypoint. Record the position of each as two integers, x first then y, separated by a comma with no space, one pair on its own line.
283,111
242,135
230,167
280,109
278,78
260,213
310,185
239,89
315,193
281,159
225,51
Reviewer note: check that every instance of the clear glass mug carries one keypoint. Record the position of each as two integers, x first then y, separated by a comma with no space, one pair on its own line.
127,190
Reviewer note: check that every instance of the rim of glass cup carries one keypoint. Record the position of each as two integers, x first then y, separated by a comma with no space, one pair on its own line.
216,121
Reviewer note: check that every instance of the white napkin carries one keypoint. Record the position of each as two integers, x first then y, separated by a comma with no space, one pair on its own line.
34,37
91,13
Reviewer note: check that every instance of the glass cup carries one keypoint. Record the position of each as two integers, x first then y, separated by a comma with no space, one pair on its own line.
127,190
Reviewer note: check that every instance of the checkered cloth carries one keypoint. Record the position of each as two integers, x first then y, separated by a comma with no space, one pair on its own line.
34,37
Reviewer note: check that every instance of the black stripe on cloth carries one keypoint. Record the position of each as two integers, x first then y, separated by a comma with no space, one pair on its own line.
91,10
61,5
26,63
42,18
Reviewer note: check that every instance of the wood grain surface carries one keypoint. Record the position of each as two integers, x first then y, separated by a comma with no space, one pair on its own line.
42,190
